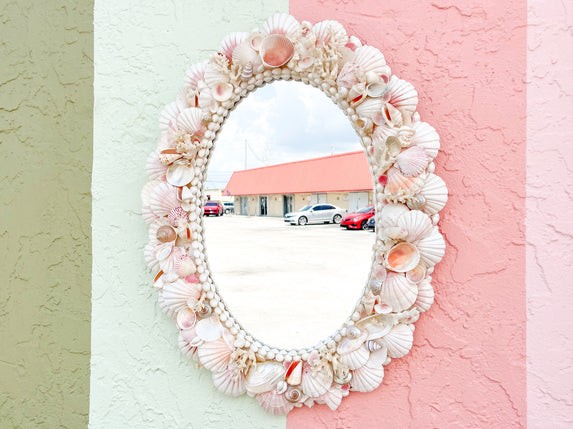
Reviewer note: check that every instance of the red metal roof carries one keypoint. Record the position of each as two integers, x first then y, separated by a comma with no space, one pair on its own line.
335,173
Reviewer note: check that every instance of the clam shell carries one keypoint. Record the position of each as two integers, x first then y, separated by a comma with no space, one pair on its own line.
432,248
274,403
435,194
376,326
230,42
412,161
417,223
194,75
244,54
398,292
230,381
316,383
163,199
168,116
417,274
425,297
366,379
355,359
222,91
180,173
264,377
276,50
186,318
399,341
281,23
397,182
392,116
427,138
376,89
215,355
371,108
390,213
154,167
403,96
173,297
402,257
330,33
191,121
209,329
348,344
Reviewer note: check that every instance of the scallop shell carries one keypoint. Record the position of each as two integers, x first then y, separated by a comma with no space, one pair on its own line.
180,173
425,296
274,403
371,108
206,100
186,347
168,116
330,33
403,96
245,54
281,23
230,381
276,50
191,121
195,74
366,379
383,131
417,223
333,397
435,194
155,168
398,292
355,359
173,297
369,59
432,248
148,190
190,337
399,341
316,383
427,138
163,199
390,213
417,274
209,329
412,161
215,74
402,257
215,355
184,266
148,215
264,377
348,344
397,182
230,42
150,259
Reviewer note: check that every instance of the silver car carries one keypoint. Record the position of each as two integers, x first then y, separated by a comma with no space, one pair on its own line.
316,213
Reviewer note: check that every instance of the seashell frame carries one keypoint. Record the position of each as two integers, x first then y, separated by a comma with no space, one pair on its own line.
378,327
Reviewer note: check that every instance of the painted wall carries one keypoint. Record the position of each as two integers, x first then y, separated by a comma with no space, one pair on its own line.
46,97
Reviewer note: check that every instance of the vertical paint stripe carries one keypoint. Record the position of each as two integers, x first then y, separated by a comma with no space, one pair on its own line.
46,100
139,376
549,221
468,63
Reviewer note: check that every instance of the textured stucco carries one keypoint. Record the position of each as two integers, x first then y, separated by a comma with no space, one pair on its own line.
549,221
467,60
46,99
139,377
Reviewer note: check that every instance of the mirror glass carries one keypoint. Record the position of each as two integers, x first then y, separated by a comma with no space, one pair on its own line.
291,281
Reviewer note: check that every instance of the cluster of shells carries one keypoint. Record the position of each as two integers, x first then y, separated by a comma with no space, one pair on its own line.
400,150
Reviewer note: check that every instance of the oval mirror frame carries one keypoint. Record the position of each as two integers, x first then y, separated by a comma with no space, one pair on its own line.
400,149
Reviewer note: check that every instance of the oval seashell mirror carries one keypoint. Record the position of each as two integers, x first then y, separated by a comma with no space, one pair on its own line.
398,149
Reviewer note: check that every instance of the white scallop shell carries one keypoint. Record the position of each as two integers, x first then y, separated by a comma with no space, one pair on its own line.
207,101
276,50
214,74
163,199
397,182
390,213
383,131
274,403
333,397
167,264
150,259
399,341
371,108
209,329
147,214
180,173
244,54
398,292
330,33
432,248
435,194
348,345
403,96
376,325
412,161
155,168
168,116
425,297
215,355
316,383
264,377
427,138
173,297
186,347
417,223
230,381
195,74
230,42
355,359
366,378
281,23
147,191
191,121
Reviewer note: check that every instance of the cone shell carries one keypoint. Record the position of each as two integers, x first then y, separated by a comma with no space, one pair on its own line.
180,173
168,116
399,341
427,138
154,167
264,377
316,383
215,355
194,75
163,199
281,23
276,50
403,96
425,296
402,257
435,194
432,248
174,296
274,403
191,121
412,161
417,223
230,42
330,33
355,359
366,379
398,292
230,381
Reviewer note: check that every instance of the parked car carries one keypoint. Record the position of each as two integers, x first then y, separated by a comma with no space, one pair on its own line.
316,213
213,207
371,225
359,219
229,208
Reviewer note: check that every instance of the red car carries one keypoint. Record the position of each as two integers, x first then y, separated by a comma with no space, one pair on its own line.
359,219
213,208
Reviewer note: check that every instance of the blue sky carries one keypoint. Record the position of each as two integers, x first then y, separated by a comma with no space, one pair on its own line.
282,122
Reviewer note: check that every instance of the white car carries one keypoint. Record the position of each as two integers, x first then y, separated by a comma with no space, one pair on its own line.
316,213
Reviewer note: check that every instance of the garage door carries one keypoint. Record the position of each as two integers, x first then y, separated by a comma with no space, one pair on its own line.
357,200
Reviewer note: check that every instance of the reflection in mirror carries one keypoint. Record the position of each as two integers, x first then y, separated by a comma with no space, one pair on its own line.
288,171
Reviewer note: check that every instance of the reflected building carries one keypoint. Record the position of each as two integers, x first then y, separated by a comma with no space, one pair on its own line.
343,180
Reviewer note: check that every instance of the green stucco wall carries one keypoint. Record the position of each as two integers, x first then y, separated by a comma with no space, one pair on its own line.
46,99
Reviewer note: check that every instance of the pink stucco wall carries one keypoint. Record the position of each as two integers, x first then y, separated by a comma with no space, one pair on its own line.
468,63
